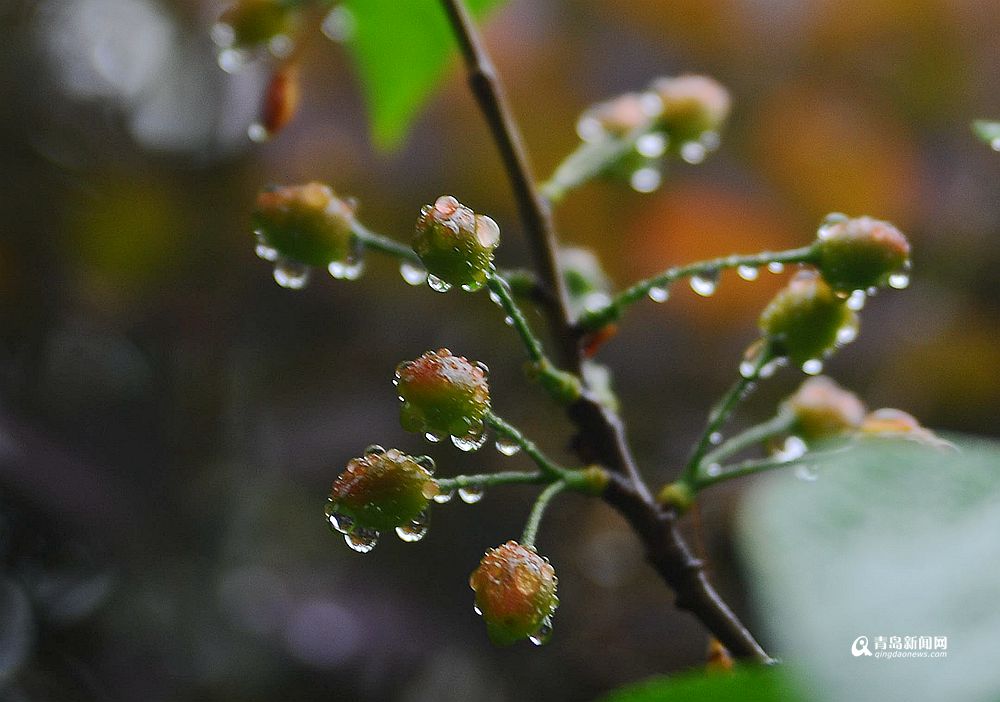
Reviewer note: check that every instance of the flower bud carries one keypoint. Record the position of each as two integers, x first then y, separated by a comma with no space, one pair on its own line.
455,244
692,105
515,593
381,490
280,103
443,394
618,116
806,320
893,423
822,409
305,223
855,254
253,22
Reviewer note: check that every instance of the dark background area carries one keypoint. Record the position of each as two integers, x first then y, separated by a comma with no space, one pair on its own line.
171,419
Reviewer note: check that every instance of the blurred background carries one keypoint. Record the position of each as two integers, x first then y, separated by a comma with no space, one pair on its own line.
171,419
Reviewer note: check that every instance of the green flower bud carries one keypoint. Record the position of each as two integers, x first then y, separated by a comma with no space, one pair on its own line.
692,106
444,394
807,320
515,594
455,244
247,23
822,409
856,254
379,491
305,223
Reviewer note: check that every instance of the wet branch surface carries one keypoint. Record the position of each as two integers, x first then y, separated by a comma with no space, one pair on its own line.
600,434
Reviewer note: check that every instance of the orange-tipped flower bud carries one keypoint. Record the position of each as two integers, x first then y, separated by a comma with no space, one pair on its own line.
897,424
822,409
305,223
692,105
515,593
856,254
455,244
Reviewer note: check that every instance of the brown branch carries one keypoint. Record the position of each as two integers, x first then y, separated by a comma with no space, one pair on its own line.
601,434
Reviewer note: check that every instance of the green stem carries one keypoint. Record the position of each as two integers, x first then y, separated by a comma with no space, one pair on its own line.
383,244
491,479
535,518
757,465
544,463
501,290
721,411
614,310
756,434
588,161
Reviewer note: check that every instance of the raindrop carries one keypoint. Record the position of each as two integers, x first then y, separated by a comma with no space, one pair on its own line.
223,34
813,366
589,128
596,301
264,250
710,140
508,320
374,450
444,497
747,272
544,633
258,133
350,269
651,145
470,495
715,438
658,294
806,472
472,442
412,273
769,368
339,24
693,152
856,300
645,179
776,266
362,540
899,280
829,223
748,369
995,144
280,46
426,462
495,299
713,469
475,608
434,437
232,60
846,334
793,448
291,274
705,283
437,285
415,530
338,522
507,447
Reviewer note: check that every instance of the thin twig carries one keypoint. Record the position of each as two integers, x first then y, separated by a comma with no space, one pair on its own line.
537,510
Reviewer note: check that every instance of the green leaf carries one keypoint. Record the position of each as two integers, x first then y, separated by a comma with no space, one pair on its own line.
744,684
892,539
401,49
988,132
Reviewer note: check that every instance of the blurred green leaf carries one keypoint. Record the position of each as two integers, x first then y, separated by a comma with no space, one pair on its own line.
892,539
988,132
401,48
744,684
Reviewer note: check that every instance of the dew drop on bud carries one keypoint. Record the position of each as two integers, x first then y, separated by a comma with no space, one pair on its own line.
495,299
437,285
846,334
651,145
470,495
705,283
747,272
715,438
412,273
507,447
747,369
471,442
713,469
813,366
374,450
426,462
693,152
899,280
544,633
776,267
793,449
291,274
340,523
434,437
657,294
415,530
264,250
475,608
339,24
351,269
995,144
232,60
589,128
362,540
856,300
444,497
645,179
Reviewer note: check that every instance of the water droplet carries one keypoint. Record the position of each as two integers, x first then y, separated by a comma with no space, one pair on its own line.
475,608
280,46
807,472
856,300
291,274
223,34
495,299
715,438
846,334
705,283
470,494
508,320
340,523
813,366
232,60
747,272
544,633
710,140
415,530
693,152
589,128
507,447
264,250
776,267
362,540
657,294
412,273
651,104
350,269
374,450
828,224
769,368
713,469
899,280
434,437
596,301
437,285
426,462
793,449
645,179
748,369
651,145
995,144
339,24
472,442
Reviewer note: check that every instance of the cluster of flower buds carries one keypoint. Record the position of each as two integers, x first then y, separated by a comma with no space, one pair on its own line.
380,491
299,226
806,320
455,244
515,594
862,253
444,395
